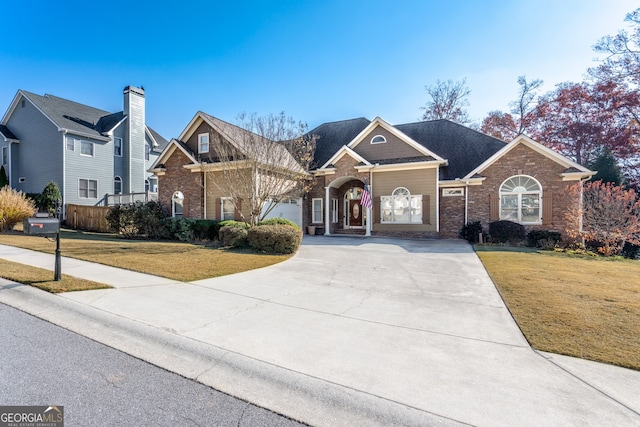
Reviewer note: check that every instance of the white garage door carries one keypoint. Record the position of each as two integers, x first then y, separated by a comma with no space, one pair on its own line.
290,209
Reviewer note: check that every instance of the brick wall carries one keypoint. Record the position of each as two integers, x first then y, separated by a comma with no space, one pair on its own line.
451,216
521,160
178,178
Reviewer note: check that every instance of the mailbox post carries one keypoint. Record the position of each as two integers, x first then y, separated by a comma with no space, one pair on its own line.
46,227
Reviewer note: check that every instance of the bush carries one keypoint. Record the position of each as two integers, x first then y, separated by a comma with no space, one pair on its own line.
631,251
179,229
205,229
140,220
14,208
543,239
275,239
48,199
4,180
471,231
232,223
281,221
506,231
233,235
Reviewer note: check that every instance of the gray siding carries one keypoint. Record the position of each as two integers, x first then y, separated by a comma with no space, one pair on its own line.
119,161
99,167
38,156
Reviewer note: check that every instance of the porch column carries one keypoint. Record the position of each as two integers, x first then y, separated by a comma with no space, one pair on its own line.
369,219
327,211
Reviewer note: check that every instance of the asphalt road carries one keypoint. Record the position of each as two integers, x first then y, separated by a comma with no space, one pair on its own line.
43,364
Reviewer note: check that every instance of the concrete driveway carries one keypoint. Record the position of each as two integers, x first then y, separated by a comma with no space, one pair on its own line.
355,331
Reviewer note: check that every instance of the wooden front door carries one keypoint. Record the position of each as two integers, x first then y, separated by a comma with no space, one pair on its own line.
355,213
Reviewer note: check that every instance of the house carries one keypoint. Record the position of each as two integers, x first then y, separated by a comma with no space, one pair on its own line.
195,170
88,152
424,179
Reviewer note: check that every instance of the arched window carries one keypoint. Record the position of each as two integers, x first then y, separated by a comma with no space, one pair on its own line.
177,204
401,207
378,139
520,200
146,186
117,185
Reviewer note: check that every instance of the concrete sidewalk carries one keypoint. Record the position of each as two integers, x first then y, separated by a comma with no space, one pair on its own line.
350,331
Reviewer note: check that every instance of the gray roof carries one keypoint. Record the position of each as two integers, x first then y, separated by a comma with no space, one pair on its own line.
463,147
79,118
7,133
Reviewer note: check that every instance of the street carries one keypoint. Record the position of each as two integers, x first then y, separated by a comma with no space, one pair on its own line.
43,364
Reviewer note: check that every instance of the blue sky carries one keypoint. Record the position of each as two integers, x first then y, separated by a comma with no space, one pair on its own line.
318,61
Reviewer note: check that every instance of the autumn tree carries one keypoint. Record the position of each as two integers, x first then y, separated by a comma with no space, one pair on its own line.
506,126
448,101
261,161
605,213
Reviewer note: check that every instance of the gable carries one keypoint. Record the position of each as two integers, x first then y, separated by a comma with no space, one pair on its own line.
393,148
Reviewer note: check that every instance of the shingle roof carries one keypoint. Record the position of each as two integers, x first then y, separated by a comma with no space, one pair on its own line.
79,118
162,143
463,147
7,133
332,136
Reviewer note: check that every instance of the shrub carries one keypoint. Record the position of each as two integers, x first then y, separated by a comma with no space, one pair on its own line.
543,239
179,229
233,236
232,223
49,197
4,180
506,231
140,220
122,220
275,239
14,208
631,251
205,229
471,231
278,220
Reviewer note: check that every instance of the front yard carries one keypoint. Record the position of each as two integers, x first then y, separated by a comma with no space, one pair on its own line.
577,305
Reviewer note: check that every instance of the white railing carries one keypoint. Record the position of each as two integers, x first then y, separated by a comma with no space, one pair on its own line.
128,198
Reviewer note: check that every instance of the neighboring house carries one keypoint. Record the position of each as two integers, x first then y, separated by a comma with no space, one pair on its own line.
88,152
189,168
426,179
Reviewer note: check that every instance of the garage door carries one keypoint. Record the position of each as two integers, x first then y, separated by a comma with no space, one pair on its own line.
290,209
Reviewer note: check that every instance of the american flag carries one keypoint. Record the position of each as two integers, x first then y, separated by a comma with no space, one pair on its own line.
366,197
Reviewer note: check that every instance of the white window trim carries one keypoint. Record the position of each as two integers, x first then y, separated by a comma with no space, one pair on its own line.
314,219
117,179
114,146
233,212
412,218
4,160
92,148
378,142
88,188
71,142
200,151
452,192
520,194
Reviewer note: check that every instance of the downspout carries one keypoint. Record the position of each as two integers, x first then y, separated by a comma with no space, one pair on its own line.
204,196
370,210
64,174
327,212
437,201
466,202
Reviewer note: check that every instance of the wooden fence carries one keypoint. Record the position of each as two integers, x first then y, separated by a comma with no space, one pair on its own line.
91,218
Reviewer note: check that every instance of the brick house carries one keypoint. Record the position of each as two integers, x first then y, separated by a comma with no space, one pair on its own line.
425,179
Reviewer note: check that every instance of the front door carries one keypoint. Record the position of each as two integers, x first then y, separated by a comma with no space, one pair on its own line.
355,213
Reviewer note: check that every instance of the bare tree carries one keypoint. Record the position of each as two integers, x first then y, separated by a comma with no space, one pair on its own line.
263,160
524,107
448,101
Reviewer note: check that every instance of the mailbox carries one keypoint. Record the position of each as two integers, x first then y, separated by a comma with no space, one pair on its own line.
41,226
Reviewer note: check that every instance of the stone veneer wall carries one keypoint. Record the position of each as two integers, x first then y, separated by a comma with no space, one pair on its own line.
178,178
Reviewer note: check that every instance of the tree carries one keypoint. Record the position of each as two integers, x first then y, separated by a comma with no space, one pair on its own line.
506,126
3,177
448,101
607,167
263,160
50,195
605,213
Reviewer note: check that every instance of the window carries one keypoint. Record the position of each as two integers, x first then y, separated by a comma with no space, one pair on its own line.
401,207
86,148
147,150
378,139
153,185
71,144
227,208
88,189
520,198
203,143
146,186
177,204
5,155
334,210
452,192
316,212
117,147
117,185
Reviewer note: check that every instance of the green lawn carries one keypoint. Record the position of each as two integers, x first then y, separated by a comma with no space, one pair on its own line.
577,305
